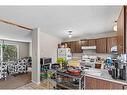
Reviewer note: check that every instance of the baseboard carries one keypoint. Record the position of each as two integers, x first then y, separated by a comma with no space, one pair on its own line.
35,82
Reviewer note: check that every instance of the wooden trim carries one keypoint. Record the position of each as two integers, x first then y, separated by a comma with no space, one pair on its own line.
15,24
125,29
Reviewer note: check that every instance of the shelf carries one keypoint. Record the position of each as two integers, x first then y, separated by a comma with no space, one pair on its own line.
67,85
66,80
68,75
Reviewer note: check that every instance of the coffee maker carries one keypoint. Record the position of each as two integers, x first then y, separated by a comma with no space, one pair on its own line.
119,70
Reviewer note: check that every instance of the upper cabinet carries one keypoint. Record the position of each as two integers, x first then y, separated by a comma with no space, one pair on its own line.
121,30
68,44
101,46
73,46
88,42
78,47
111,42
92,42
84,42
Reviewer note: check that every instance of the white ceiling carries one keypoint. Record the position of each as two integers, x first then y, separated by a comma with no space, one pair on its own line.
57,20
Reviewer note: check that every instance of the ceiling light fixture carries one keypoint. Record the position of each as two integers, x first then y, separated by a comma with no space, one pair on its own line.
115,26
70,34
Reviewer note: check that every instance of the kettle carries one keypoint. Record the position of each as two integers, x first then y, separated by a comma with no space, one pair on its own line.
109,60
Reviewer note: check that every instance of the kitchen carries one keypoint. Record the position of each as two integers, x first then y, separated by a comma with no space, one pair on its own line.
85,48
66,47
103,60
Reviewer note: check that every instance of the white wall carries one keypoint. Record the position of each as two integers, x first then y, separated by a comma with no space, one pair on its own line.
48,45
30,49
36,56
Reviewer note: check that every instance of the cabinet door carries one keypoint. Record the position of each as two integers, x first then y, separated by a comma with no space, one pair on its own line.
92,42
84,42
88,83
111,41
126,30
63,43
121,31
114,85
68,44
73,45
101,45
95,83
102,84
78,47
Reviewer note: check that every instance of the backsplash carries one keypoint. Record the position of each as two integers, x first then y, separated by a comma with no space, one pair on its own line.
102,55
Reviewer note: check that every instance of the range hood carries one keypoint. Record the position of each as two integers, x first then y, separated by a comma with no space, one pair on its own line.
88,47
114,49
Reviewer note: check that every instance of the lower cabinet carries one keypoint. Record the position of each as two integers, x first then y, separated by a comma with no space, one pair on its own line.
94,83
116,86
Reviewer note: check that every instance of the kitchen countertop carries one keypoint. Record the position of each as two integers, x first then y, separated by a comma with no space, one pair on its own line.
102,74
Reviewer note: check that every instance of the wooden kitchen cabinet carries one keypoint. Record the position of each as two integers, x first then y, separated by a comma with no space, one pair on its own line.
116,85
121,31
88,42
95,83
63,43
101,84
89,83
78,47
111,41
101,45
68,44
84,42
73,46
91,42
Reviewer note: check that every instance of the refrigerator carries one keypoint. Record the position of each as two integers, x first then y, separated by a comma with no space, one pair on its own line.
64,53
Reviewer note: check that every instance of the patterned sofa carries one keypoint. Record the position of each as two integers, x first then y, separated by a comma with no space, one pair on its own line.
3,70
14,67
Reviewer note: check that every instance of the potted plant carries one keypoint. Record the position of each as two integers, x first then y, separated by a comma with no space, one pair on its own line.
62,62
